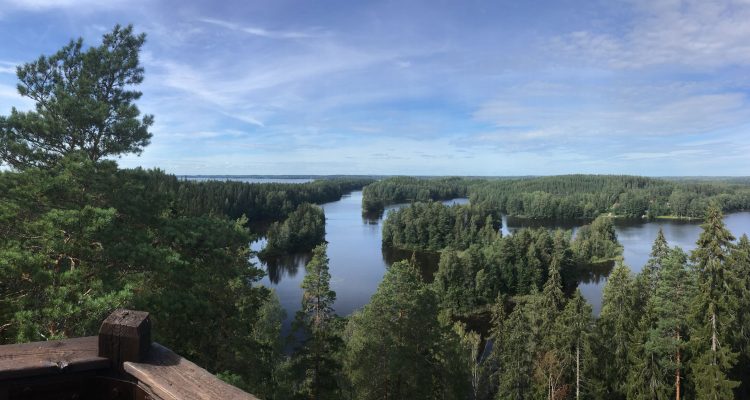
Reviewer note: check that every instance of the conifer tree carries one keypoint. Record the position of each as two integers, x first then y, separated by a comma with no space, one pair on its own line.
553,299
397,348
84,104
316,363
574,329
659,252
713,311
615,326
740,264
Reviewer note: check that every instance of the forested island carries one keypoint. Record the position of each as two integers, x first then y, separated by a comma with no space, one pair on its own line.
570,196
80,237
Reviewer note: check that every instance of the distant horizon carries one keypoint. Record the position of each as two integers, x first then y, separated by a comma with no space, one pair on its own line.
638,87
301,176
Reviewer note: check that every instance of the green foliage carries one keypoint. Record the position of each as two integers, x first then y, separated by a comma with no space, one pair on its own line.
258,201
434,226
407,189
82,238
714,308
315,364
301,231
597,242
84,103
569,196
616,320
398,349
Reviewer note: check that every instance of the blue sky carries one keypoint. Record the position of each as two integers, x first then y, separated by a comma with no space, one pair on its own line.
651,87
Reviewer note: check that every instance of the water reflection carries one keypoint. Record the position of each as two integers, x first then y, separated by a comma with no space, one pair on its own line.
285,266
358,261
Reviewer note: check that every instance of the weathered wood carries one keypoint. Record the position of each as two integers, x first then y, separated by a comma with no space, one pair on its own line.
52,357
125,336
169,376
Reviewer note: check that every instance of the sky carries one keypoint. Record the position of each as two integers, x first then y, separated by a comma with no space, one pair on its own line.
647,87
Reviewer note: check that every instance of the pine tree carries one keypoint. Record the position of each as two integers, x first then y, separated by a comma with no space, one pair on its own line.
316,363
713,311
84,104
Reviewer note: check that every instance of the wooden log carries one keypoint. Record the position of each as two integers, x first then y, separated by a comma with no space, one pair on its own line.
52,357
169,376
125,336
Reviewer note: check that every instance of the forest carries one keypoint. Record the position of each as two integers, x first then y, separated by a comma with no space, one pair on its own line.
570,196
80,237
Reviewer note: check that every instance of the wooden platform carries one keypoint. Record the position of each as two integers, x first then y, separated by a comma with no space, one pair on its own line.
120,363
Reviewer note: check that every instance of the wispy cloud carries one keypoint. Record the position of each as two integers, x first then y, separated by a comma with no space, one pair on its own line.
697,34
613,112
8,67
271,34
660,155
75,5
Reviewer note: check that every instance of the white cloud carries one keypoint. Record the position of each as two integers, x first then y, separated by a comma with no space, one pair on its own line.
614,112
46,5
7,67
692,33
660,155
257,31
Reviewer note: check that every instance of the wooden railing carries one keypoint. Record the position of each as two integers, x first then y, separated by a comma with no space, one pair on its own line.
120,363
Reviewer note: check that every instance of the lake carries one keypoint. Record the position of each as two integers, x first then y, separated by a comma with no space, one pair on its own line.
358,262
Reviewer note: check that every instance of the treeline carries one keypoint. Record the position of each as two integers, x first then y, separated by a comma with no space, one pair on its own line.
678,329
404,189
301,231
259,201
434,226
572,196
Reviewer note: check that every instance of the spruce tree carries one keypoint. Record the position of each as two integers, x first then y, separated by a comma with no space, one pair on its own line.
740,264
713,311
315,361
574,328
615,325
397,348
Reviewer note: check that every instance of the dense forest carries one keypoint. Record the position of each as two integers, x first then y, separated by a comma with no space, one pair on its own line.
80,237
301,231
258,201
570,196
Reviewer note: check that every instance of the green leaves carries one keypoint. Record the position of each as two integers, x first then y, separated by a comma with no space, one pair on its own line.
397,348
84,103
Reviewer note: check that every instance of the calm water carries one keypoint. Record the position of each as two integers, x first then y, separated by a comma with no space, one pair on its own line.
357,262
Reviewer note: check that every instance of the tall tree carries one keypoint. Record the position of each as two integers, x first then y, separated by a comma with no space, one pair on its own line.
315,361
659,252
615,325
713,310
398,349
740,264
84,103
574,329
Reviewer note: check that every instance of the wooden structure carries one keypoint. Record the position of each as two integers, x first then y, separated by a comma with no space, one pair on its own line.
120,363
